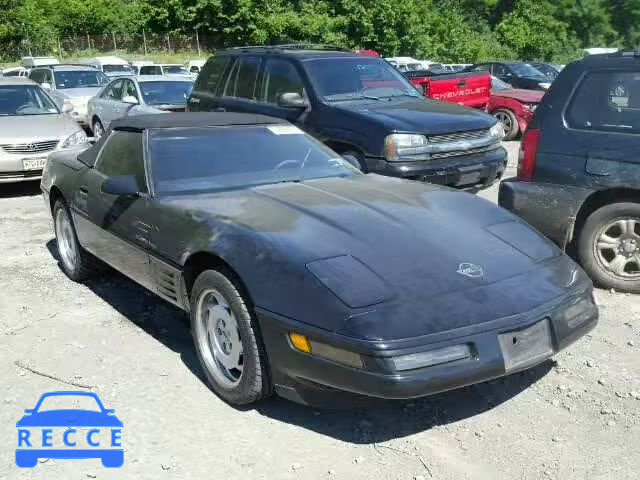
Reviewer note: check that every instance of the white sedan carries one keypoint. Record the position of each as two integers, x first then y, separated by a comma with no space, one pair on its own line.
136,96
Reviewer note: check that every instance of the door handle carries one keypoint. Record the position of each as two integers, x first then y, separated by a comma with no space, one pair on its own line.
84,189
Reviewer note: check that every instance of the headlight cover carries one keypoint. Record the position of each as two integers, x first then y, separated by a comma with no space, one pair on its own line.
431,357
77,138
544,85
497,131
405,146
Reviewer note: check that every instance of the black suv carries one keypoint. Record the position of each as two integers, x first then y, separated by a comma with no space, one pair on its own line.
579,167
361,107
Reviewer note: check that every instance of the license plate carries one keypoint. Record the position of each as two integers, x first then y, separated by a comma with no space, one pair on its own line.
527,347
33,163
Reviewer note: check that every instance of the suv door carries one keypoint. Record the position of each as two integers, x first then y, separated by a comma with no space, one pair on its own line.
206,91
112,226
242,87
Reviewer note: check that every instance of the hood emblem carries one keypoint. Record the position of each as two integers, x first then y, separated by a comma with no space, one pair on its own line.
31,147
470,270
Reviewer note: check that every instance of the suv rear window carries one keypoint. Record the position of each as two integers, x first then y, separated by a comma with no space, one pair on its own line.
607,101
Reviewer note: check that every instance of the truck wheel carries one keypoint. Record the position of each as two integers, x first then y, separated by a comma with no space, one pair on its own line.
355,159
227,339
509,123
76,262
609,246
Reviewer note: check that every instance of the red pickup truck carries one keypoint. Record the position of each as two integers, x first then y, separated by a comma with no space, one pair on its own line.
471,89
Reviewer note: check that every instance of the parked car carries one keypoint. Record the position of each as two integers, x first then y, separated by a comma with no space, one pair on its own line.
359,106
31,126
299,271
513,107
111,66
579,172
15,72
138,64
517,74
405,64
471,89
165,69
136,96
71,84
549,70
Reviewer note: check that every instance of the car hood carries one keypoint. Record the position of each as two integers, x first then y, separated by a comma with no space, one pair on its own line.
25,128
69,418
419,115
87,92
525,96
414,238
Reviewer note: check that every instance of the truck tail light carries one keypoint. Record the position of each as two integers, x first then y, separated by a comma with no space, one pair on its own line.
527,155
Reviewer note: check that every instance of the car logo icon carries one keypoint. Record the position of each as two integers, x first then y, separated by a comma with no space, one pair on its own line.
31,147
470,270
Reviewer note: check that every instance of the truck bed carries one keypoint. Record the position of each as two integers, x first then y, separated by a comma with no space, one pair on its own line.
471,89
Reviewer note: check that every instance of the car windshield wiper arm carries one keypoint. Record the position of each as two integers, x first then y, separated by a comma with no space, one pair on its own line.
356,97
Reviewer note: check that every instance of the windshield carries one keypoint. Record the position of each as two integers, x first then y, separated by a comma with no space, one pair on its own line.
25,100
208,159
80,79
174,69
158,93
497,84
415,66
126,69
69,402
341,79
525,70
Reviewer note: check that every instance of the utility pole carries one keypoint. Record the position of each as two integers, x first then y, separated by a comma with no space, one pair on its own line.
144,42
88,41
115,47
198,42
168,43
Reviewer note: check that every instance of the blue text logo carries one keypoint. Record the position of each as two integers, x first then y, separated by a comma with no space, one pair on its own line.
69,425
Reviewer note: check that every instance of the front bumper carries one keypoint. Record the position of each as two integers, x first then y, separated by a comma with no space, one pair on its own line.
551,208
304,378
465,171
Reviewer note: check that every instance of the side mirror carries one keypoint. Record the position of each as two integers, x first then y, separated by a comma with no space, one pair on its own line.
67,107
109,411
130,99
28,410
121,185
46,85
292,100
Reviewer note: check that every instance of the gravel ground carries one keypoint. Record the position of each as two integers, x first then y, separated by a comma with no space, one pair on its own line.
576,417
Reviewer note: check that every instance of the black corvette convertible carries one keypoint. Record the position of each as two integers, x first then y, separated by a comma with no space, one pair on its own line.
303,275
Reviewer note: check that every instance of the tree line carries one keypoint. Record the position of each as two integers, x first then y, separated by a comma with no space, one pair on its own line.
443,30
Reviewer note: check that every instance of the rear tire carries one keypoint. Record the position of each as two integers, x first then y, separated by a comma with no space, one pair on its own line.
75,261
509,123
609,246
227,339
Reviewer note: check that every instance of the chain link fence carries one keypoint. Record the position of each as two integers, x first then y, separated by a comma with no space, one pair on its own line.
122,44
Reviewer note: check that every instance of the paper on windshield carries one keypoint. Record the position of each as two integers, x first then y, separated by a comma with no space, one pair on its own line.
285,130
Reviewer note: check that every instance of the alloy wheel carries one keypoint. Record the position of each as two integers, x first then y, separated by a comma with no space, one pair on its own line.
617,248
66,240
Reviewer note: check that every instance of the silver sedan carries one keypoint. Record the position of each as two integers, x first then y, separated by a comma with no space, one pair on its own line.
136,96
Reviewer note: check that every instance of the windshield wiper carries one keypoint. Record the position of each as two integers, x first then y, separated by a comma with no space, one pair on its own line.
355,97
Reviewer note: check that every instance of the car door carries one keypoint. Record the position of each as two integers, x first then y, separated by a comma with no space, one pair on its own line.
129,90
110,106
113,227
281,76
205,96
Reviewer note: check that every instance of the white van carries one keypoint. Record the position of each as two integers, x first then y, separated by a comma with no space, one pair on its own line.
405,64
194,66
32,62
110,66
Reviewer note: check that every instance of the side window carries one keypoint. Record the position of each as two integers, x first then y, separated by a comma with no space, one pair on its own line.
499,70
481,68
48,77
36,76
113,91
129,89
281,77
243,78
122,154
211,75
607,101
151,70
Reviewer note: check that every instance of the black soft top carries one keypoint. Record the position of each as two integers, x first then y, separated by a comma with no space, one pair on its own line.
191,119
140,123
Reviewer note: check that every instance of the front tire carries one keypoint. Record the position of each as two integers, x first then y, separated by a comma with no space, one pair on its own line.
97,128
355,159
609,246
76,262
509,123
227,339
